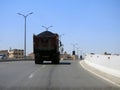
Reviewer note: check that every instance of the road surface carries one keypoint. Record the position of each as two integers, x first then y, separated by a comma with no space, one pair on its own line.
68,75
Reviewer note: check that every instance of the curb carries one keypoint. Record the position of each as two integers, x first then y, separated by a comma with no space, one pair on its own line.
110,78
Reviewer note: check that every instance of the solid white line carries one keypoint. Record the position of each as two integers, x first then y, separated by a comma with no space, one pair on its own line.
99,75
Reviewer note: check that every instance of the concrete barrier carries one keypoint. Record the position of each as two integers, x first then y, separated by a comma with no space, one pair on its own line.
107,63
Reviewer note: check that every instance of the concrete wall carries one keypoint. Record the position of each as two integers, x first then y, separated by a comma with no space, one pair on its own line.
106,63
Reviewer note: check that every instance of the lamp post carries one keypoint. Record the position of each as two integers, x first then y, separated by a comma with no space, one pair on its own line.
25,17
78,49
74,46
47,27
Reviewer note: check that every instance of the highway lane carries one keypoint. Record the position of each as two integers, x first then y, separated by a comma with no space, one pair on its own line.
68,75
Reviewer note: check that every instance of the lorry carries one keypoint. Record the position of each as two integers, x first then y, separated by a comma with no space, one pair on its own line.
46,47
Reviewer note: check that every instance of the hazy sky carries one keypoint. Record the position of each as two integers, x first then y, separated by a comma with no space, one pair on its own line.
93,24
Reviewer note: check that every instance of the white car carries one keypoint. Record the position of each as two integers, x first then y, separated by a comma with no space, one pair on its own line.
3,56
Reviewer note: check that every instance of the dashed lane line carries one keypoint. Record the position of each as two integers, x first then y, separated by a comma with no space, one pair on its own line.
34,72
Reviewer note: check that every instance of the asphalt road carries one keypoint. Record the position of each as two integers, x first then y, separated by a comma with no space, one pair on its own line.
68,75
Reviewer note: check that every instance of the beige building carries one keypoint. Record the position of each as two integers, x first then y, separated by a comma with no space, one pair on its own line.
66,56
75,57
16,54
31,56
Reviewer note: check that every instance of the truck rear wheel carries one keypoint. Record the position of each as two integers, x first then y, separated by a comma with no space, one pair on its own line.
40,61
55,60
36,59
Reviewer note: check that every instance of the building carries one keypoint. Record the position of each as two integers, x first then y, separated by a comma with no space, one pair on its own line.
4,54
66,56
75,57
16,54
31,56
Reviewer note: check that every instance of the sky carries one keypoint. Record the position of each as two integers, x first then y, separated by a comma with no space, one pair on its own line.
92,25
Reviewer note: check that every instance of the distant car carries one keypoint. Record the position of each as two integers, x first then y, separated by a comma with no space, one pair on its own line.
3,56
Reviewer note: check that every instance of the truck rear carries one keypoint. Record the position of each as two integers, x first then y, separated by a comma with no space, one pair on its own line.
46,47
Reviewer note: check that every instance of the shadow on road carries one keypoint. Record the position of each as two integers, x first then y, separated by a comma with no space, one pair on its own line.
61,63
64,63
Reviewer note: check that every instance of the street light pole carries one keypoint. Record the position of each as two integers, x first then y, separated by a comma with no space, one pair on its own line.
74,46
25,17
47,27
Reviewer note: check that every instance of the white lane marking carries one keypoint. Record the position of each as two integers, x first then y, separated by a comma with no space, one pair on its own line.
31,75
99,75
34,72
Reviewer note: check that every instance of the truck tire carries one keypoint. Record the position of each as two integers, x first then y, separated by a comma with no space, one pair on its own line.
58,58
55,60
38,59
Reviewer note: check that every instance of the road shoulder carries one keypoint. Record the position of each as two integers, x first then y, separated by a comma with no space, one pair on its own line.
112,79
